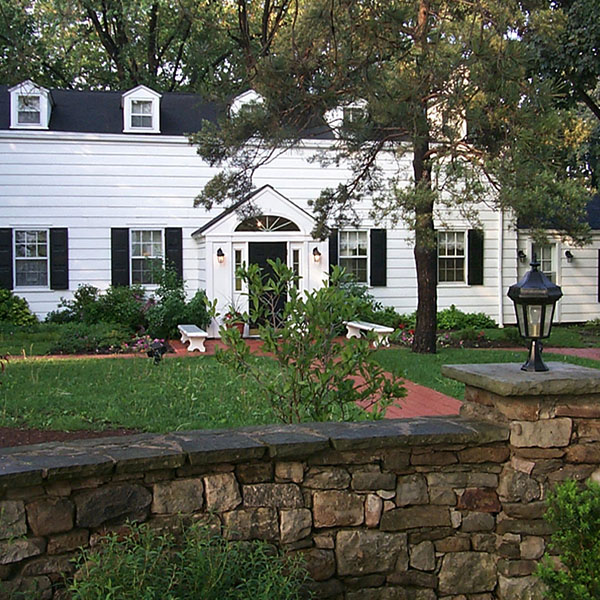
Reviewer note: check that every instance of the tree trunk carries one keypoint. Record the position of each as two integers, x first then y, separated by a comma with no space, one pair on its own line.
425,246
425,254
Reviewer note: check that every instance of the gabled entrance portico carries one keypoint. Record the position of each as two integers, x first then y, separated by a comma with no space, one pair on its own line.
278,228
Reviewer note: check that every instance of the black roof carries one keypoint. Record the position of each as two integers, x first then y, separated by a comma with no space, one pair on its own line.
100,112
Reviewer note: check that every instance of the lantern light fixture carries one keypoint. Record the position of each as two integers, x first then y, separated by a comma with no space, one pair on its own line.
220,256
535,298
522,256
316,255
569,256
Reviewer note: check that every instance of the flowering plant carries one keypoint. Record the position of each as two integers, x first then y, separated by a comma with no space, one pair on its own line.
140,344
233,315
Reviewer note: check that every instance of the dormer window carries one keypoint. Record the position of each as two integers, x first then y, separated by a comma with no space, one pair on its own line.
28,110
141,110
30,106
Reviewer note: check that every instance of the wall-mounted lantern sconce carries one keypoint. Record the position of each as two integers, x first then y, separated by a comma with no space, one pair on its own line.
522,256
220,256
316,255
535,297
569,256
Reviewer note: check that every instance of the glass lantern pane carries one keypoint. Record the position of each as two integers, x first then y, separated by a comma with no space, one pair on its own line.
534,320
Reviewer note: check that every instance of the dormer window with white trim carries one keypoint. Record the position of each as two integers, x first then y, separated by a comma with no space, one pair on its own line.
30,106
141,110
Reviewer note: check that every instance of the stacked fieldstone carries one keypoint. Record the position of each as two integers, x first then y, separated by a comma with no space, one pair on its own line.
416,509
554,421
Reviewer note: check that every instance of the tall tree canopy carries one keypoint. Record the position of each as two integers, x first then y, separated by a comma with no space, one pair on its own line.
117,44
415,71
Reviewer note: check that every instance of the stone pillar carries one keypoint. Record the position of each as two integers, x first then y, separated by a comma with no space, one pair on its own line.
554,422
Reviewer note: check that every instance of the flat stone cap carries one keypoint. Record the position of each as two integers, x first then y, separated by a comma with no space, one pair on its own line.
507,379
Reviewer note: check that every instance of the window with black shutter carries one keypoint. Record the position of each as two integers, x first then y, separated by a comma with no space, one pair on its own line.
378,257
6,258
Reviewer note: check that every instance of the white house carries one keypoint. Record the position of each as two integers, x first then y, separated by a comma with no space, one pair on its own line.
93,184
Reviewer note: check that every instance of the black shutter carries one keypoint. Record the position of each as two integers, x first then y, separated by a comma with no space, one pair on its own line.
598,275
6,258
119,255
475,268
174,249
378,257
333,249
59,258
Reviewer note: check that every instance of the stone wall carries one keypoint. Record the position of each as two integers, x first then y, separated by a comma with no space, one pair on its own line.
409,509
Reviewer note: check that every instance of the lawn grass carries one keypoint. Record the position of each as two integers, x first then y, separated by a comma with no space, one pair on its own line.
562,336
185,393
178,394
425,369
27,341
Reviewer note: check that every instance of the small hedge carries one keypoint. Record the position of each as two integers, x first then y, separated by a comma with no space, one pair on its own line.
193,564
15,310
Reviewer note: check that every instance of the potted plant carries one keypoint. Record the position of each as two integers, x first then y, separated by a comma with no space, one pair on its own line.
234,318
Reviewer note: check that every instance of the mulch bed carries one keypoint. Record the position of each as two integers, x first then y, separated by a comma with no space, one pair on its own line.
20,437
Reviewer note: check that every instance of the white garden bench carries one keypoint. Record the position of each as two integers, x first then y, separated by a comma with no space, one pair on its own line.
194,335
381,331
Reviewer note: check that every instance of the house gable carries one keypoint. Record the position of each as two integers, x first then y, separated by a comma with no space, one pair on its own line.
30,106
265,201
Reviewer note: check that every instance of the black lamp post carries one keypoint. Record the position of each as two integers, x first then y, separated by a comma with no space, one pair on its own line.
535,297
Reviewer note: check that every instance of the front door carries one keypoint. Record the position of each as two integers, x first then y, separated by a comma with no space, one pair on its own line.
258,254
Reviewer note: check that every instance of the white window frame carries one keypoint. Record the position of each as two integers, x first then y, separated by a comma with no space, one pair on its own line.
464,256
141,93
366,257
549,255
21,259
133,257
31,90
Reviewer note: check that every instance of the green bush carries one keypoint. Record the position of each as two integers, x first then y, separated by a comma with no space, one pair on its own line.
316,373
14,309
99,338
453,318
171,309
192,564
574,513
122,304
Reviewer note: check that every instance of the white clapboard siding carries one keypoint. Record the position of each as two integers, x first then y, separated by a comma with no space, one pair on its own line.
91,183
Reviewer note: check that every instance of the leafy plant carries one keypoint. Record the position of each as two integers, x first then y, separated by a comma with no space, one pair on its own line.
454,318
170,308
153,565
574,513
99,338
317,374
14,309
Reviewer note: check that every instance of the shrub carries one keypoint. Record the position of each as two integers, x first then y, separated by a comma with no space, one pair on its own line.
574,513
124,305
148,564
453,318
99,338
14,309
315,374
171,308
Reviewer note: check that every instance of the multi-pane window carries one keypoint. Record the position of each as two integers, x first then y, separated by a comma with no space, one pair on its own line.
141,114
31,258
146,255
238,284
451,256
28,109
296,265
353,254
545,256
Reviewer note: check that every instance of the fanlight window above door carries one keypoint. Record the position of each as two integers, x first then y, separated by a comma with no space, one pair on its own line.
267,223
